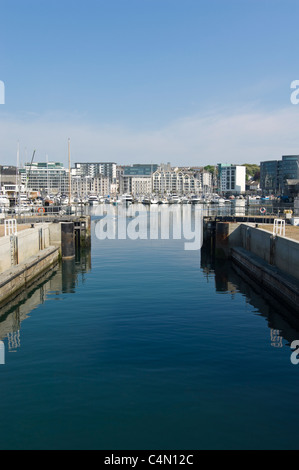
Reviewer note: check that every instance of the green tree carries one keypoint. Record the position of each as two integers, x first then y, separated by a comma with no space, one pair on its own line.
252,171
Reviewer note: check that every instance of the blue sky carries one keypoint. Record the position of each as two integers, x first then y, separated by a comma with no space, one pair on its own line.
187,81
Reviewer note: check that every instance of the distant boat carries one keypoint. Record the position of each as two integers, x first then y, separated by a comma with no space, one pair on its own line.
174,199
146,201
4,201
254,199
93,200
195,199
163,200
127,199
185,200
217,200
154,200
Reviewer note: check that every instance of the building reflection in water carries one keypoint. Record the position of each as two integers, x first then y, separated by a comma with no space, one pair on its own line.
283,323
62,278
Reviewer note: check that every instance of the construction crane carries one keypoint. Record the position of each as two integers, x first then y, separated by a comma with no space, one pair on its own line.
27,178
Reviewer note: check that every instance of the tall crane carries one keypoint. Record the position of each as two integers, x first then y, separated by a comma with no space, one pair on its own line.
27,178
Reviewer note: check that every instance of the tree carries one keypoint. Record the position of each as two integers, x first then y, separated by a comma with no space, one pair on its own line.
209,168
252,171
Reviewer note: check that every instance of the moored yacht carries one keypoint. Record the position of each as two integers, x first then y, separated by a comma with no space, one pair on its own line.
127,199
174,199
4,201
154,200
195,199
93,200
146,200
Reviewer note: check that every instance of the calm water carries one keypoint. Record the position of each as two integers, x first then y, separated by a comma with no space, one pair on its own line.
144,345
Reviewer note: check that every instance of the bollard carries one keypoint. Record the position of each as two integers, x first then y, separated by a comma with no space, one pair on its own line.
67,240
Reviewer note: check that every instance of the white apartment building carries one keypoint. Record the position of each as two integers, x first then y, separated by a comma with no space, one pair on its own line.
206,180
85,185
95,169
231,178
137,185
175,181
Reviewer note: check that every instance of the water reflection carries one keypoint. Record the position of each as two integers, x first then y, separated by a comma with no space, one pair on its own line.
283,323
62,278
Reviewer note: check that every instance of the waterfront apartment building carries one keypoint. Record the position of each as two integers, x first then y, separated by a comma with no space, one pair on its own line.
231,178
83,186
136,179
135,185
206,181
96,168
175,181
278,176
47,177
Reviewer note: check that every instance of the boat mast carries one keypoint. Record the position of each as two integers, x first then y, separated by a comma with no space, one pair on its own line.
17,179
69,151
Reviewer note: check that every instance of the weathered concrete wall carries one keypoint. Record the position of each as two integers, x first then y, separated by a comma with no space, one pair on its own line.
276,250
256,240
17,277
25,244
276,282
55,234
5,261
286,255
31,241
227,235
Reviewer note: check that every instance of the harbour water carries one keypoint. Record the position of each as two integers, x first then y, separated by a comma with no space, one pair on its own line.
142,344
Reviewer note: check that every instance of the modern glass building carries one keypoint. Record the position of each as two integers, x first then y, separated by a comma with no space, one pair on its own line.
290,167
270,176
140,169
276,175
48,177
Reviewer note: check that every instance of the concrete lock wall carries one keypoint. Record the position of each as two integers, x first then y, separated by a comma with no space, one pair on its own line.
19,276
286,256
278,251
23,245
5,260
31,241
227,235
256,240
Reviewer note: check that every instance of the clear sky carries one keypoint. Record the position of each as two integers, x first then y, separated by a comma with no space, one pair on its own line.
192,82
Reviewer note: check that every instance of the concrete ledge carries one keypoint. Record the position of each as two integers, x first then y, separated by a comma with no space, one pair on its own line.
275,281
13,280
